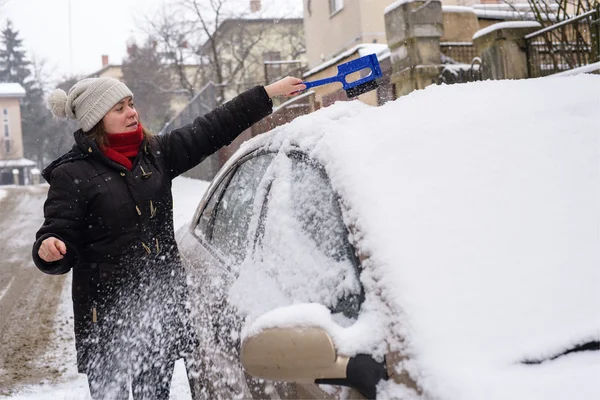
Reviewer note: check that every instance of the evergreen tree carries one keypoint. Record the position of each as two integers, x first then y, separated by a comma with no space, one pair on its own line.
149,79
14,66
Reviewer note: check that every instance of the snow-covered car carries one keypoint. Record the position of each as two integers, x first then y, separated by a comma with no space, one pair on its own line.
443,246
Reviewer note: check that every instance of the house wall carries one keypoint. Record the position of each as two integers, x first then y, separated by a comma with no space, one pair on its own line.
281,37
459,26
359,21
14,125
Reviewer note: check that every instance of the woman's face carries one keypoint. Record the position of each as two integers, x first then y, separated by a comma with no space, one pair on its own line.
121,118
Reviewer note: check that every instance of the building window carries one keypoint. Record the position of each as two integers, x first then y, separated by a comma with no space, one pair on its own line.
255,6
7,146
335,6
5,120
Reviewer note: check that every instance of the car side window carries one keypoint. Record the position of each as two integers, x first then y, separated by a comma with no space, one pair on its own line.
206,217
316,208
303,253
234,210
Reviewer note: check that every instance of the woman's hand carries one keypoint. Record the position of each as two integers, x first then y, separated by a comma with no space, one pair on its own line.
285,87
52,249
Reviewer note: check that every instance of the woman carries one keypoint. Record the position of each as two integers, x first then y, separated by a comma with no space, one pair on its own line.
109,217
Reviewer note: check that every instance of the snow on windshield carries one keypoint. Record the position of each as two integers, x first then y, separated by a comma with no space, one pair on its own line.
477,208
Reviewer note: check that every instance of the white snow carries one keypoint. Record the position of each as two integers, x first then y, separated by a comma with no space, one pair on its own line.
580,70
477,208
457,9
187,193
19,162
2,194
506,25
11,90
398,3
502,11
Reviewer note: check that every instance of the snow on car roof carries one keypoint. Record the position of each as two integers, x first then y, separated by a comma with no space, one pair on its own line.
478,206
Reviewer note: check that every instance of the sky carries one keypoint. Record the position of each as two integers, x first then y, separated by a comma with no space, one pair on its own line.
97,27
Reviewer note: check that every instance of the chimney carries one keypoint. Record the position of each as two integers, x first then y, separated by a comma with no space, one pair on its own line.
104,60
255,5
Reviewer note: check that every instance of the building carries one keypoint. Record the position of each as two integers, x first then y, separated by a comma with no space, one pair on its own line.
261,44
14,169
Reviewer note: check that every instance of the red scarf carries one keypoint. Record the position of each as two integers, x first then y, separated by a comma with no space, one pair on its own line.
123,147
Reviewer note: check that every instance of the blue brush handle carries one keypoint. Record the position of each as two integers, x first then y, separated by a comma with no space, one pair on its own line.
325,81
365,62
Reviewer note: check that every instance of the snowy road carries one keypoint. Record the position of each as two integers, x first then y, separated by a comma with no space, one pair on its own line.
37,349
28,299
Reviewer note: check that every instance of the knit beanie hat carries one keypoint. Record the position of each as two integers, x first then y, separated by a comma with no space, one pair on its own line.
88,100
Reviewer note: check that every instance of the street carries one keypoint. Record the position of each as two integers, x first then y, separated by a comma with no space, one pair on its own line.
28,298
37,348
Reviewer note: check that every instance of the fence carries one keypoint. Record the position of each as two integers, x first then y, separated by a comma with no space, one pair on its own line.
204,101
560,47
458,52
275,70
461,63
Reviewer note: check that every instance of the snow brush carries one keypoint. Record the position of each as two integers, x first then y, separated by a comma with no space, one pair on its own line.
359,86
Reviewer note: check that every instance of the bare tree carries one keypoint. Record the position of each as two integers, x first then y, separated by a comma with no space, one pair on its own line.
545,11
173,31
225,42
568,45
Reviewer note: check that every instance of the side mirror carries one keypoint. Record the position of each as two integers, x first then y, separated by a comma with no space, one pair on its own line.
301,355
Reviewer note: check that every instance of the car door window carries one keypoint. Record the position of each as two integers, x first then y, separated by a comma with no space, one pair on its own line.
202,228
235,208
303,254
316,208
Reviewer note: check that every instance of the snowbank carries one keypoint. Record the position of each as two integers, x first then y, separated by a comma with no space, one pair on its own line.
187,193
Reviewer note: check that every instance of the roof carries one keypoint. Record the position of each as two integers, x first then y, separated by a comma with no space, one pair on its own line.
381,50
506,25
11,90
102,70
481,229
500,11
19,162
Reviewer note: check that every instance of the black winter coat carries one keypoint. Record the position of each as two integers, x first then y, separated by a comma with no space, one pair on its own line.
129,290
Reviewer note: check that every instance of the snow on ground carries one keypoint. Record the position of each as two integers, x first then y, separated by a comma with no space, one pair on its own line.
73,386
484,241
187,193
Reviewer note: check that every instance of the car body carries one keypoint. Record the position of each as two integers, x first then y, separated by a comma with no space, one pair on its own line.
413,250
